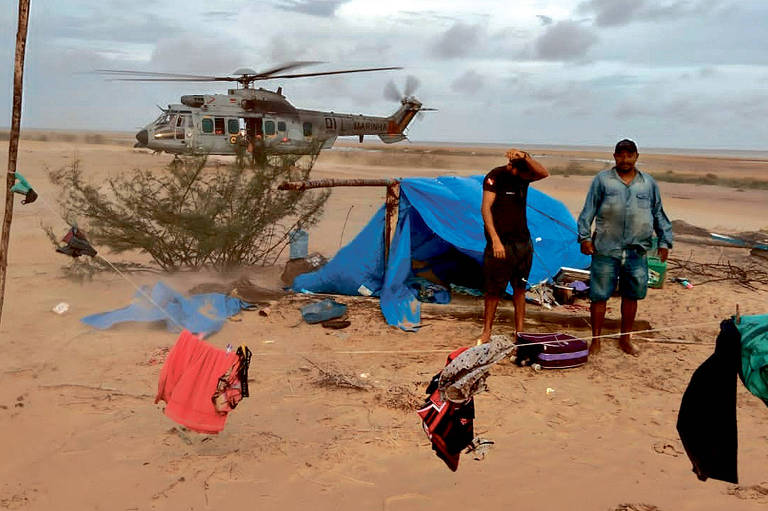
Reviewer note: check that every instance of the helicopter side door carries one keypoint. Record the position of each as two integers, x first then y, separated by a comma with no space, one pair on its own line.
214,137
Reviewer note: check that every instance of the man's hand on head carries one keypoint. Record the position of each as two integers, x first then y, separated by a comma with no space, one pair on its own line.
514,154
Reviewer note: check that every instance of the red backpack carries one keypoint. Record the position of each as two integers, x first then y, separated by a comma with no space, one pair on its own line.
449,426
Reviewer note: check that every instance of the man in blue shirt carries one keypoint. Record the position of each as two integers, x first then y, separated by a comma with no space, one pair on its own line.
625,205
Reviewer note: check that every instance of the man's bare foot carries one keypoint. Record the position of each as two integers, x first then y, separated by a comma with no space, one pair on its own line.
629,348
594,347
483,339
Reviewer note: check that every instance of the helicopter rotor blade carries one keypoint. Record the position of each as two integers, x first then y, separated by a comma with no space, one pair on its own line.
391,92
411,84
287,66
325,73
211,79
122,72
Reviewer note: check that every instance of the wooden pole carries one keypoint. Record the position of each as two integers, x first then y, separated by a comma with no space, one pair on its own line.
392,201
329,183
392,207
13,146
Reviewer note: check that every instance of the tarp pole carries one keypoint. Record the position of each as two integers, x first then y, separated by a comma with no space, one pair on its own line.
13,145
392,204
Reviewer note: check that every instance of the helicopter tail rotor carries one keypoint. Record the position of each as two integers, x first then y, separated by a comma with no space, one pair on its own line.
392,92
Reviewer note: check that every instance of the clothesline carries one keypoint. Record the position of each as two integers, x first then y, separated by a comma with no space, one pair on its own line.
449,350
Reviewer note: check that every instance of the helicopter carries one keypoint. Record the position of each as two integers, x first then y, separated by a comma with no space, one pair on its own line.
259,120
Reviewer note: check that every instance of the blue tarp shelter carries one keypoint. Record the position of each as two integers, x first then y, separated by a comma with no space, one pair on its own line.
439,228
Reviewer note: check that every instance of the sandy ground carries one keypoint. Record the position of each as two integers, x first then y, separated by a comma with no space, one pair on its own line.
80,430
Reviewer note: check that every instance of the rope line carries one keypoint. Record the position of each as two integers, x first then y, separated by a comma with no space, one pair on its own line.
395,352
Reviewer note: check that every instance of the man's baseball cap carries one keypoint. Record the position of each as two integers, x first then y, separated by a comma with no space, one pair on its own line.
626,145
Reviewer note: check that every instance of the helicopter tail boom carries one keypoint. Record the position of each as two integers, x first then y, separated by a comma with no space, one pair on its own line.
400,120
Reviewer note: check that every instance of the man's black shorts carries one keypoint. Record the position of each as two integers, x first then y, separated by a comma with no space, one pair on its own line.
514,268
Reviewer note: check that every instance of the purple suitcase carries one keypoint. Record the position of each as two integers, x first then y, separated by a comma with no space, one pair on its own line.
555,351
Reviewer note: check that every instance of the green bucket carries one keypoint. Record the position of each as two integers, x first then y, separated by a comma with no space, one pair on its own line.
657,271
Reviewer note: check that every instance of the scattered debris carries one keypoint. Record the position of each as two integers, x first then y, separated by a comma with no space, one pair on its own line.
333,377
61,308
550,390
479,448
635,507
158,356
747,276
241,288
399,397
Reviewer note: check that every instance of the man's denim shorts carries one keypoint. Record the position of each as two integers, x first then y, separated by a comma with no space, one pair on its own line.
631,272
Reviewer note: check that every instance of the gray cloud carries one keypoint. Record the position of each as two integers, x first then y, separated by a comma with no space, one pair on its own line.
96,26
323,8
191,53
470,82
622,12
751,106
458,41
565,40
221,15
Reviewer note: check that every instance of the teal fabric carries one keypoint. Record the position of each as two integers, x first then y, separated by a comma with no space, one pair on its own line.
22,186
754,354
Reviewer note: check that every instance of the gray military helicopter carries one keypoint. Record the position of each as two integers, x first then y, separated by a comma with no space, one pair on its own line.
259,120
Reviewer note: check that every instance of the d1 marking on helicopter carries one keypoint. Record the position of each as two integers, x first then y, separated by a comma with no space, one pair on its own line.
260,120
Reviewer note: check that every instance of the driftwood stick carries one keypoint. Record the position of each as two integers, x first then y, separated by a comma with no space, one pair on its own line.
329,183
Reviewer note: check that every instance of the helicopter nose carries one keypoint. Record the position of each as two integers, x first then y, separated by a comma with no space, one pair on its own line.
142,137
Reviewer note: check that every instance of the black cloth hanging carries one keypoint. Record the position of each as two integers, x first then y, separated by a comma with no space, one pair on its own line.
76,244
707,418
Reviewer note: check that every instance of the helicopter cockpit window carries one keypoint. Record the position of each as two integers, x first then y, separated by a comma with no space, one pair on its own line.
207,125
233,126
307,129
280,126
269,127
163,119
219,125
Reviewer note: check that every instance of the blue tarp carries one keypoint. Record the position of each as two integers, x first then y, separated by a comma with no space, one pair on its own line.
439,220
200,314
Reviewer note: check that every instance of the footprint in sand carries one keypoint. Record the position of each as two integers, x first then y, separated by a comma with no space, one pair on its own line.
753,492
668,448
635,507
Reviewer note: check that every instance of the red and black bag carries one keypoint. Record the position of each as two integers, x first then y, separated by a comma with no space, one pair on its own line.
449,426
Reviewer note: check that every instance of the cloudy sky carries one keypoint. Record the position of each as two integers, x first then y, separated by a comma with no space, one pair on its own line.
668,73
